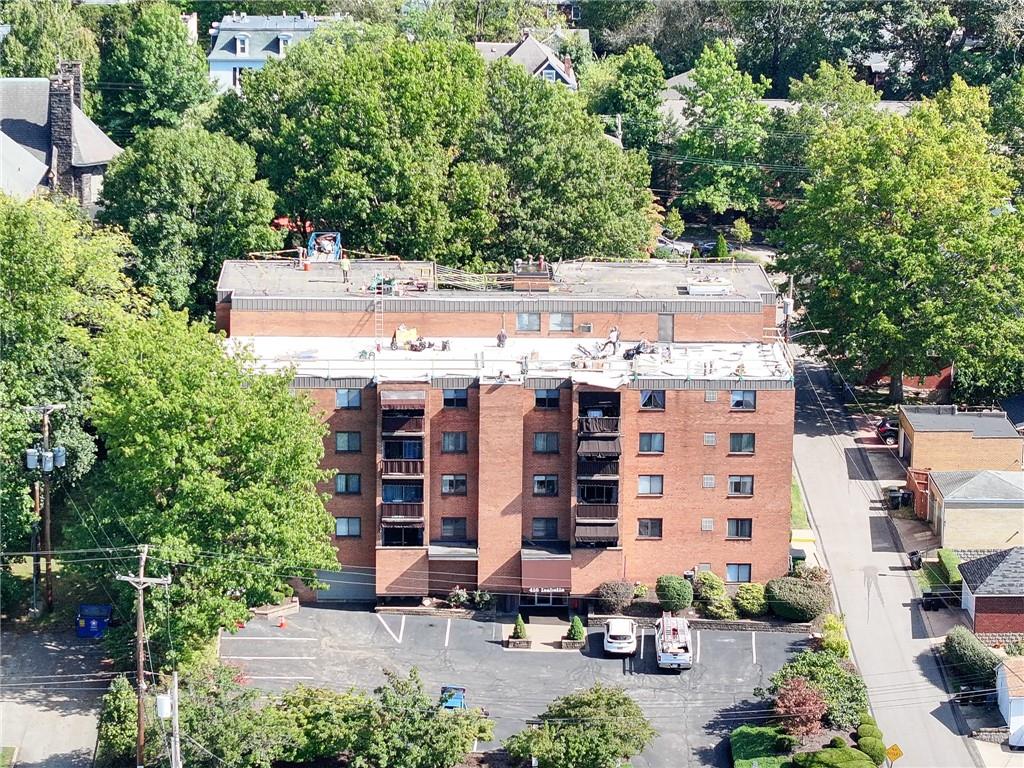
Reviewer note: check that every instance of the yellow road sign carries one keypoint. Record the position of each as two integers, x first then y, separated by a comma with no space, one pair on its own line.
894,752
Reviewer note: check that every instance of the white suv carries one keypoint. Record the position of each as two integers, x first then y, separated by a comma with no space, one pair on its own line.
620,636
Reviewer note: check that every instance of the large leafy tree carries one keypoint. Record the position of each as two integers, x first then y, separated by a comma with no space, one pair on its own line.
721,146
596,728
189,199
43,33
212,462
155,74
628,86
906,249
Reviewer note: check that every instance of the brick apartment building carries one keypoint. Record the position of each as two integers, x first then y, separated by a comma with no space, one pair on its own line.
540,467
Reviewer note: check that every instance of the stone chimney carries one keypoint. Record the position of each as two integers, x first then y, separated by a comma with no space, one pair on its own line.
72,70
62,99
567,63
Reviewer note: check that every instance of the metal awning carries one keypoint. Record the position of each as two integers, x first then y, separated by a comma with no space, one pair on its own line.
396,399
594,447
401,522
592,533
546,575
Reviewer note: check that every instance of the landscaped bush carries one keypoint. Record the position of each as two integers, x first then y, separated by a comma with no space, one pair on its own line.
969,658
948,560
833,757
674,593
519,630
458,597
833,636
760,745
1015,649
481,599
576,630
797,599
707,586
750,600
838,742
814,573
800,706
873,748
720,608
844,691
867,731
864,718
640,590
615,595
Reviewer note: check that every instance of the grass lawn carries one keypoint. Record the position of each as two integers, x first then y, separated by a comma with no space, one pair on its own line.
798,511
930,576
6,757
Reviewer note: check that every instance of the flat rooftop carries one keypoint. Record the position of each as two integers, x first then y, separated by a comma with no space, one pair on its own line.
654,279
946,418
520,359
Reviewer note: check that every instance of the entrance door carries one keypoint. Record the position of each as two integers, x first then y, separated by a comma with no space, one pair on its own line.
542,599
666,328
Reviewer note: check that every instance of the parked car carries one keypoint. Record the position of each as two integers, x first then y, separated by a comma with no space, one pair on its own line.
681,247
707,247
888,431
620,636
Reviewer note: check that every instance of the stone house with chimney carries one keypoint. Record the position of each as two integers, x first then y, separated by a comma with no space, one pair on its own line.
47,142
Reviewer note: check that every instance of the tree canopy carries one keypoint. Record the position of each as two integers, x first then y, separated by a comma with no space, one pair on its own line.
629,86
906,247
43,33
189,200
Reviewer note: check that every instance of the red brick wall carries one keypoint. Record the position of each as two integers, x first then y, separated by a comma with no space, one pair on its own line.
402,571
593,567
448,574
994,615
439,421
560,464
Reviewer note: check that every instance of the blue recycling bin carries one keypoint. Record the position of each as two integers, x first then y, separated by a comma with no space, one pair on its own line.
93,620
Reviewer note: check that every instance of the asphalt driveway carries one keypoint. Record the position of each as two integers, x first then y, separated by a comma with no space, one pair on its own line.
692,711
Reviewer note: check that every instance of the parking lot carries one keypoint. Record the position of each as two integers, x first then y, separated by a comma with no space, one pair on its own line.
691,711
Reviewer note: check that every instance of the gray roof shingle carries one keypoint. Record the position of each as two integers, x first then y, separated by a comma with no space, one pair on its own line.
980,485
946,418
20,172
529,53
263,33
995,575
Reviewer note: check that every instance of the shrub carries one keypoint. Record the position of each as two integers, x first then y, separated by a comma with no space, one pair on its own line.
1015,649
844,691
867,731
838,742
750,600
801,706
948,562
118,720
458,597
720,608
834,757
519,630
814,573
721,251
674,593
482,599
833,637
576,630
707,586
969,657
640,590
752,742
864,718
615,595
797,599
873,748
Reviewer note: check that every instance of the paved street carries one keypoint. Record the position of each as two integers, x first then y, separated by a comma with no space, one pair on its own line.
842,474
49,698
692,710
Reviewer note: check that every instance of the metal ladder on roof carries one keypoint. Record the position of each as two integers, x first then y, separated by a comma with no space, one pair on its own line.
378,309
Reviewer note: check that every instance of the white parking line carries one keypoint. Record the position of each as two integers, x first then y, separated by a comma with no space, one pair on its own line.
642,636
398,637
401,629
243,637
753,646
270,658
696,655
447,632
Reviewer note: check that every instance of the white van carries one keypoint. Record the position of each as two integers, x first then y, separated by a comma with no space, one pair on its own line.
672,636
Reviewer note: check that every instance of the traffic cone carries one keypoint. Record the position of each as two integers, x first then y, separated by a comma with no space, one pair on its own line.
281,623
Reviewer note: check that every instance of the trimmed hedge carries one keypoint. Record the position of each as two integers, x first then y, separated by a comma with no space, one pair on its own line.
797,599
868,731
707,586
720,608
760,745
768,761
750,600
865,718
873,748
949,561
832,757
615,595
969,658
674,593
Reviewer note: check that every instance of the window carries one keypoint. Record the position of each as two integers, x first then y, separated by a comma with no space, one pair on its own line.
650,485
741,485
707,523
528,321
453,485
708,481
545,442
347,527
403,449
560,321
348,442
546,398
242,45
282,44
347,484
590,493
236,77
703,567
743,400
652,442
348,398
453,528
740,527
402,493
456,398
453,442
741,442
710,395
649,528
737,573
710,438
549,75
544,528
652,399
545,485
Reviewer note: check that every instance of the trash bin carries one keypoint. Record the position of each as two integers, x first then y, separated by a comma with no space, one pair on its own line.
92,620
916,560
895,498
906,498
931,602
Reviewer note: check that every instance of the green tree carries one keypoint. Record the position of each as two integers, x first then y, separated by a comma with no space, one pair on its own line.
905,247
721,251
115,743
159,73
628,86
722,142
615,25
212,462
189,200
674,224
741,231
1008,121
329,723
43,33
596,728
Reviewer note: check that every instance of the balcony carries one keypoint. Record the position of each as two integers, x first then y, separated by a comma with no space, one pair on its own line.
600,512
401,424
607,469
603,534
401,514
598,425
401,467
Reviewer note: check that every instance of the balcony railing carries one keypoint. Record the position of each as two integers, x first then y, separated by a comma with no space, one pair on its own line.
598,425
410,425
402,511
586,468
586,511
401,466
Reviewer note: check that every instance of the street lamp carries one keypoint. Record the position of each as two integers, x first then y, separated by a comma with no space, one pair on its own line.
44,458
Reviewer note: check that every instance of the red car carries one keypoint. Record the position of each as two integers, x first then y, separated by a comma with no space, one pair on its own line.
888,431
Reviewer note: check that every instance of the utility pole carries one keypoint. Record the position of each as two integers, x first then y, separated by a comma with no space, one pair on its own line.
140,582
46,459
787,310
175,729
36,570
